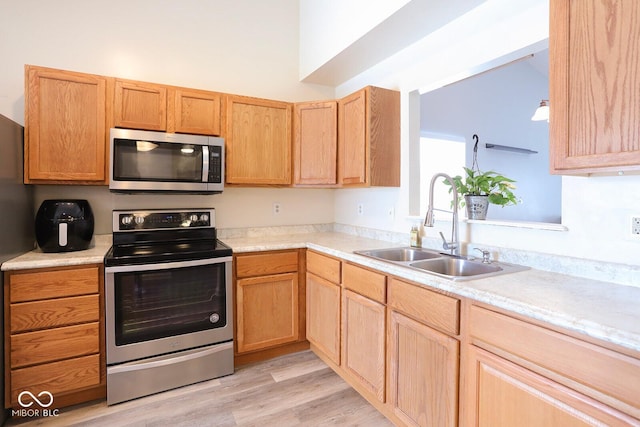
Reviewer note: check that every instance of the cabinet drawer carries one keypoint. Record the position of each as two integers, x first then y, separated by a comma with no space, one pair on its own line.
38,285
57,377
33,315
598,372
431,308
49,345
323,266
261,264
365,282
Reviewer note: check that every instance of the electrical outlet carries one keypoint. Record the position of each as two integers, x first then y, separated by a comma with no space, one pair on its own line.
635,226
392,212
277,208
360,209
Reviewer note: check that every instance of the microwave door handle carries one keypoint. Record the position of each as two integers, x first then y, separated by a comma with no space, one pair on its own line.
205,163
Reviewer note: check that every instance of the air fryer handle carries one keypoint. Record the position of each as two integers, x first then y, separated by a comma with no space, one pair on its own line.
63,234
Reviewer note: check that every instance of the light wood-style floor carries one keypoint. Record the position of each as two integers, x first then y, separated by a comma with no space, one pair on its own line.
292,390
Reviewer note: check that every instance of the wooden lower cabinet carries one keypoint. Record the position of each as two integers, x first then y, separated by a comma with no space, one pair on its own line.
267,311
424,357
270,308
54,335
363,342
520,373
323,316
509,395
423,373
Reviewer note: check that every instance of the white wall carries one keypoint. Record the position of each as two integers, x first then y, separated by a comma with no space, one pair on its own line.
342,38
331,26
241,47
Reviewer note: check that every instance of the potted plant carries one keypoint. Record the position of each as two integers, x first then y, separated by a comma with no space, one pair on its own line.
481,188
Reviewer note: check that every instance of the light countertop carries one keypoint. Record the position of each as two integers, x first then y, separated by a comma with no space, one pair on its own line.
38,259
601,310
598,309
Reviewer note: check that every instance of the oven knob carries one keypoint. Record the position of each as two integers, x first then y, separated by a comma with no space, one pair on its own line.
214,318
193,217
204,217
126,220
139,219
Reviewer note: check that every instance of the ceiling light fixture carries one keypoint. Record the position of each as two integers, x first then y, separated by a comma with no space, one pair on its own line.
542,113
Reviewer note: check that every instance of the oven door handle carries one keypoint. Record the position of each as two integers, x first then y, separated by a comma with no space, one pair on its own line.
169,359
166,265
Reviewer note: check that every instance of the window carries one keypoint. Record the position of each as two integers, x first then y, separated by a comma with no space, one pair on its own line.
439,153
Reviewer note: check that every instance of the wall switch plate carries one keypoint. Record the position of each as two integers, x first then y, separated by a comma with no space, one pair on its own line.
635,226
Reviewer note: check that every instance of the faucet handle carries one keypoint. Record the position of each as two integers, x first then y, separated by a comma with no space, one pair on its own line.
448,245
486,255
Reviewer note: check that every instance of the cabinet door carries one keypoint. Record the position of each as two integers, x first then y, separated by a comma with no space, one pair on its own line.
140,105
323,316
594,86
423,373
353,163
194,111
258,141
363,342
65,130
509,395
316,143
267,311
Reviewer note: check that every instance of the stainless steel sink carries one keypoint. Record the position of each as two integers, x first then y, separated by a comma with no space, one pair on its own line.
441,264
400,254
450,266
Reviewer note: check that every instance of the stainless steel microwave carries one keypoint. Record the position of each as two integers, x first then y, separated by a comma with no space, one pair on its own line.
167,162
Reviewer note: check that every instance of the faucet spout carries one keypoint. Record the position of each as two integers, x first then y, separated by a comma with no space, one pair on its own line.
454,244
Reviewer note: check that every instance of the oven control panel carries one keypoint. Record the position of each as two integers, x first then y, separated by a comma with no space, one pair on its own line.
163,219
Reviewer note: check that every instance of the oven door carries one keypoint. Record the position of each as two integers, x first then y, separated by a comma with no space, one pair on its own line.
154,309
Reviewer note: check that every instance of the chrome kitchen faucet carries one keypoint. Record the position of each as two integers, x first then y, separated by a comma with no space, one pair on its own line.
454,244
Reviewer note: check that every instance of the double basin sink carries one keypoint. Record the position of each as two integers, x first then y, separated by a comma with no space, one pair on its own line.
441,264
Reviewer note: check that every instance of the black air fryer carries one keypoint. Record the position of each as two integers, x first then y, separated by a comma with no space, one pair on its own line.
64,225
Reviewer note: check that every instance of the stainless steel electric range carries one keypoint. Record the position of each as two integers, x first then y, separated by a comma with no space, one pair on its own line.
168,299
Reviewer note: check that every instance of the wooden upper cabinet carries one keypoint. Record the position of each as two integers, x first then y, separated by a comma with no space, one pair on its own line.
139,105
593,46
369,138
65,127
258,141
194,111
353,166
315,131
